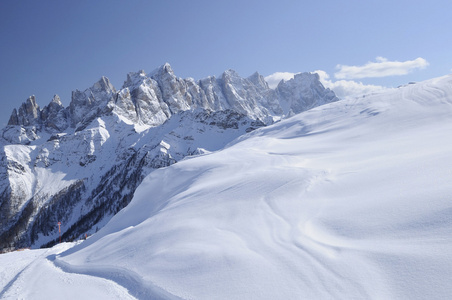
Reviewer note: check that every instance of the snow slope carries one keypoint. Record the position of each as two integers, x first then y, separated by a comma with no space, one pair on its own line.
31,274
350,200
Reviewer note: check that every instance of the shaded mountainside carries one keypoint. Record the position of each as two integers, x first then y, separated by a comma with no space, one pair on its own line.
81,164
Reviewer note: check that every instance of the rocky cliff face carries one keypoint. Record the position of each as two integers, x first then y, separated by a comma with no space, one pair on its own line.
81,164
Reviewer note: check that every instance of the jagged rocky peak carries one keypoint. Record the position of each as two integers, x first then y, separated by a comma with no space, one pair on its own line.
93,94
167,68
164,74
244,96
54,116
231,77
54,106
173,89
56,100
84,105
303,80
230,73
303,92
258,80
254,81
103,85
134,78
140,100
14,118
307,77
163,69
28,114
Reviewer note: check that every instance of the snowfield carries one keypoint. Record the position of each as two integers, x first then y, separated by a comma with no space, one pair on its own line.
350,200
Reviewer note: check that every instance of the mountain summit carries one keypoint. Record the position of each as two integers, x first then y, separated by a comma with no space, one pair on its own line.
81,164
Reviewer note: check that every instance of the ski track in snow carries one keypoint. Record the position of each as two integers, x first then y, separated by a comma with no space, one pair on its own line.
31,274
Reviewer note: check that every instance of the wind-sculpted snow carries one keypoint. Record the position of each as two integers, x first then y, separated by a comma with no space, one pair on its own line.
350,200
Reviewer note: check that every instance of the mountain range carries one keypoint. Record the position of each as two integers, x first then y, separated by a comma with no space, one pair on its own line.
79,165
348,200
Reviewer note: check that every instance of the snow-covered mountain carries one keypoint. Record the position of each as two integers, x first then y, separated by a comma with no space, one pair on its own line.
349,200
81,164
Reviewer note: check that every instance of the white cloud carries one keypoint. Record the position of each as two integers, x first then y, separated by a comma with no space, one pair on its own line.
275,78
381,68
344,88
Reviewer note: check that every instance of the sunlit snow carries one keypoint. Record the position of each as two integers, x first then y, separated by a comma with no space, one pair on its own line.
350,200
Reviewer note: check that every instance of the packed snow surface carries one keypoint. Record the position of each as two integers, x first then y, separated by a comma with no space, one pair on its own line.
350,200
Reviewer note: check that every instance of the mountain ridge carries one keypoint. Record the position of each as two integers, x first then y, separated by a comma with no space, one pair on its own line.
150,99
80,164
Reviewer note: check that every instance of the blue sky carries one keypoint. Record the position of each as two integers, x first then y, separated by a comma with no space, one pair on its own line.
54,47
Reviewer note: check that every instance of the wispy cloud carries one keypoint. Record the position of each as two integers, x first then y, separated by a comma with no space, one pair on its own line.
381,68
342,88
